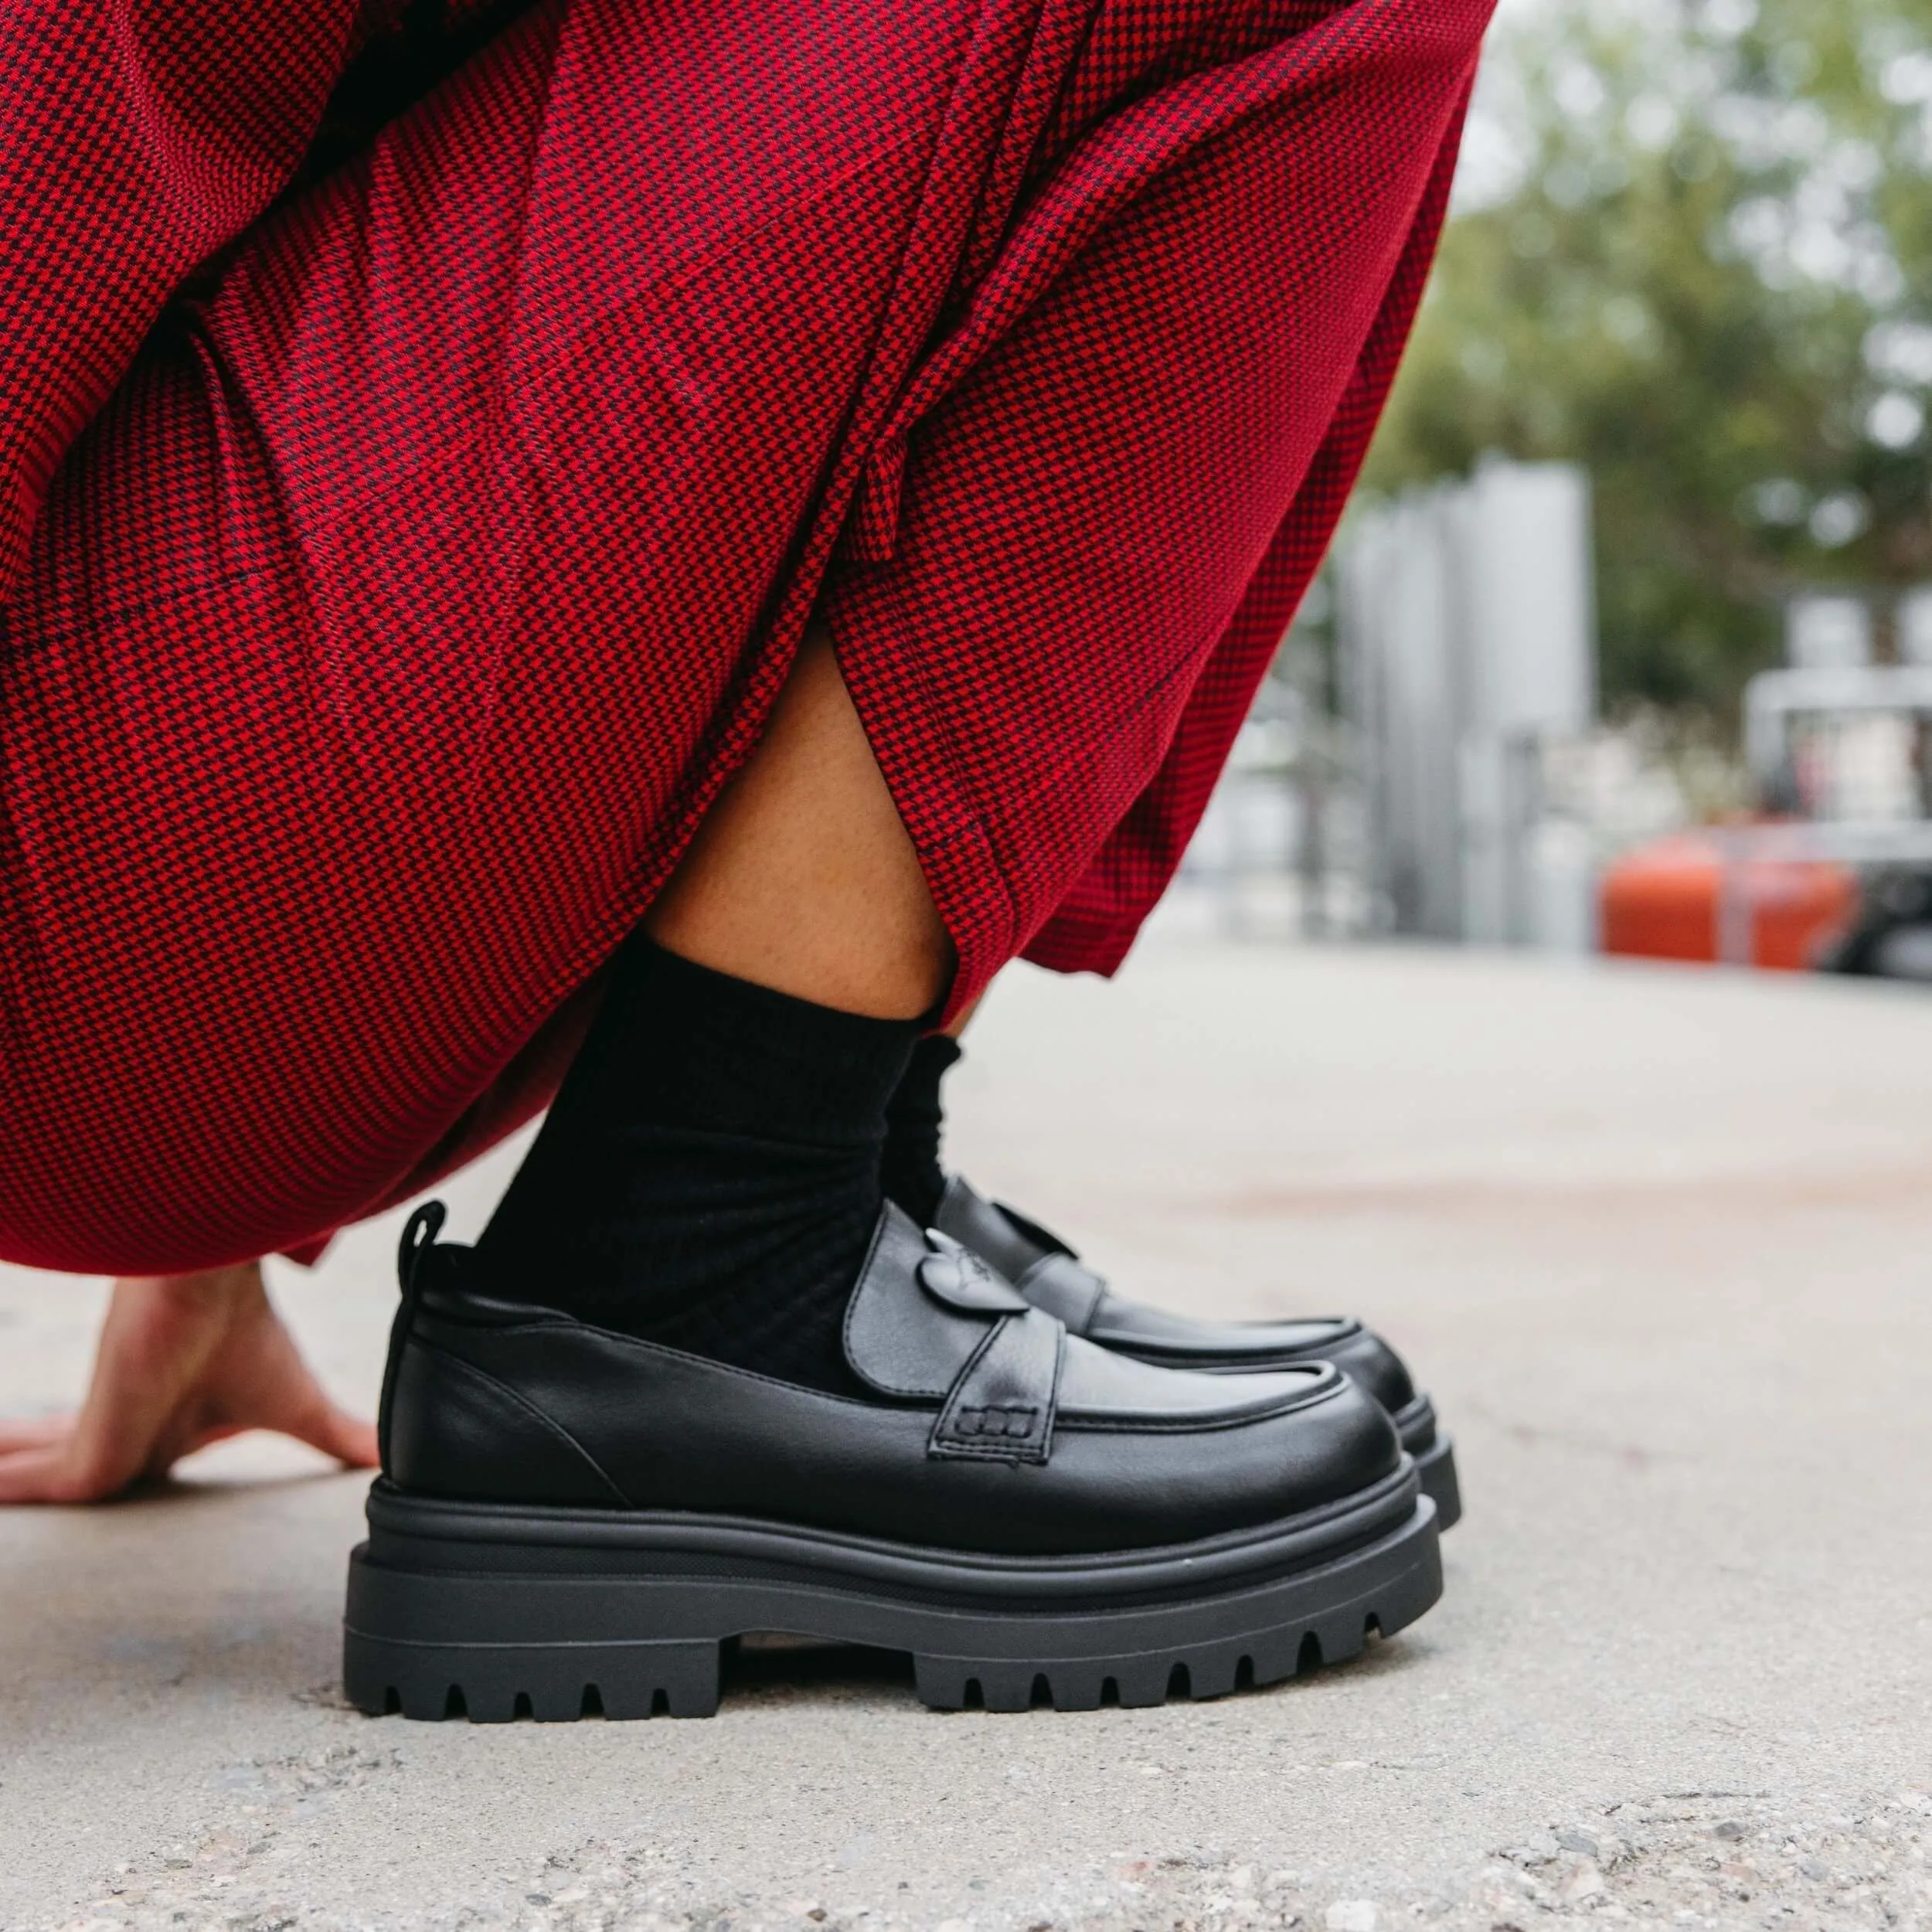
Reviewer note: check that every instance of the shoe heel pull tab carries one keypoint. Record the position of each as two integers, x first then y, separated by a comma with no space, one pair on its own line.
419,1236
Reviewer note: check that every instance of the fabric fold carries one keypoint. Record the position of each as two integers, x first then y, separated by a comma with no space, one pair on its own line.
416,524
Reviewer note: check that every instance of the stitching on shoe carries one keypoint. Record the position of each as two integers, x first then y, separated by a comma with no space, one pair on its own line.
943,1445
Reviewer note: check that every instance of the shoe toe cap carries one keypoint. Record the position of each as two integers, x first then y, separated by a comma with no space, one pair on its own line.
1225,1452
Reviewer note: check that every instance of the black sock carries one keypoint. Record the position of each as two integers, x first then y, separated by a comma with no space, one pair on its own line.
915,1118
708,1175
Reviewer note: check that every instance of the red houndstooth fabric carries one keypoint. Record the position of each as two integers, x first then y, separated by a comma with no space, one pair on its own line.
409,507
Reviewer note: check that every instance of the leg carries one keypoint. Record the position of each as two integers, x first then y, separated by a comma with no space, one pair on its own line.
802,878
710,1172
706,1200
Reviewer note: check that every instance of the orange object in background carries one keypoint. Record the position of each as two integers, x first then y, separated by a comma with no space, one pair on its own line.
1664,901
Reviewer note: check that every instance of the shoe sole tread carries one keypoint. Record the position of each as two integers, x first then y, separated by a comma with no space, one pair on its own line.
469,1638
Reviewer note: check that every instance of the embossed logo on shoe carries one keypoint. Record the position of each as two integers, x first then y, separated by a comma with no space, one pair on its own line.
954,1274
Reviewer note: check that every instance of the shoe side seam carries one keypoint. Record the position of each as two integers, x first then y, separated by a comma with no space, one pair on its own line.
541,1417
566,1325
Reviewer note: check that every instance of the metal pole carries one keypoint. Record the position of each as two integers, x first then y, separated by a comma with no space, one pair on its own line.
1735,923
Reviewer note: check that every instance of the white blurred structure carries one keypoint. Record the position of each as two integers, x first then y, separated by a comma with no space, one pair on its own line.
1835,738
1828,633
1467,631
1913,623
1278,853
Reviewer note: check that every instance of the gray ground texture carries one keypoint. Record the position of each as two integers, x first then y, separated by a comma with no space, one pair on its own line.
1658,1241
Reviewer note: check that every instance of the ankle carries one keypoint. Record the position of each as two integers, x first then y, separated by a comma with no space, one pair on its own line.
709,1176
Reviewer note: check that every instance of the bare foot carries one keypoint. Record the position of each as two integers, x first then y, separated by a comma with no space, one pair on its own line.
183,1361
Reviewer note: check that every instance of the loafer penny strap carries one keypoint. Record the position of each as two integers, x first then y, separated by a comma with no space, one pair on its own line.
1001,1406
1066,1289
930,1318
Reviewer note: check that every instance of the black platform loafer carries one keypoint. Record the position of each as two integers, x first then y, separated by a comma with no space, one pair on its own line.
1052,1277
573,1520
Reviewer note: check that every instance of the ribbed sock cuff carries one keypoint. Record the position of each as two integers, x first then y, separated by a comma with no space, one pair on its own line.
911,1168
696,1047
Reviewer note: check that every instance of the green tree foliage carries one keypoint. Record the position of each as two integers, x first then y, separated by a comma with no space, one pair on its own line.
1693,252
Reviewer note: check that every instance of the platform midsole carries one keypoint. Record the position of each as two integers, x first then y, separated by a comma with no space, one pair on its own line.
422,1535
1388,1581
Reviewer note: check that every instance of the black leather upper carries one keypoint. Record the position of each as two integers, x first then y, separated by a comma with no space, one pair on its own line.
995,1430
1052,1277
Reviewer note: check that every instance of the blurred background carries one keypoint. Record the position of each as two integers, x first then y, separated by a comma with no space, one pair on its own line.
1626,642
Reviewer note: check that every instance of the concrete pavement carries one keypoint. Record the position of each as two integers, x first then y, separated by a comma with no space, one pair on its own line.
1659,1241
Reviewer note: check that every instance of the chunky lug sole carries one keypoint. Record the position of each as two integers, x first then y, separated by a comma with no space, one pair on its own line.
498,1612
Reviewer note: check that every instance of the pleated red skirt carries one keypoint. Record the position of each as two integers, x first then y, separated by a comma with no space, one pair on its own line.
399,555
